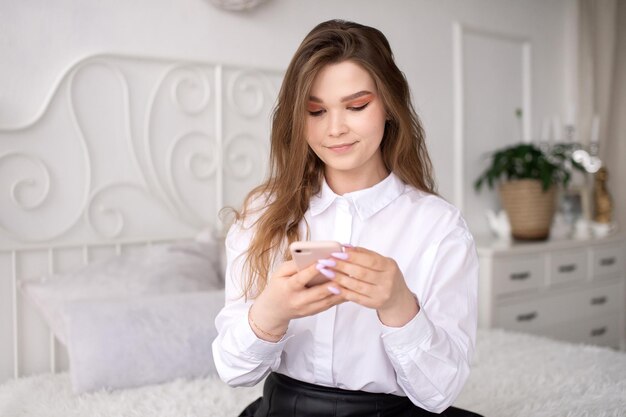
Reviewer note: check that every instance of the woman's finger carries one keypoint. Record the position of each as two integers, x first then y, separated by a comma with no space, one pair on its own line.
354,284
350,269
325,303
307,274
286,269
319,292
362,257
355,297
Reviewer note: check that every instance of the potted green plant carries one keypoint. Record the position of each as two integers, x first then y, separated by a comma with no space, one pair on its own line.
528,177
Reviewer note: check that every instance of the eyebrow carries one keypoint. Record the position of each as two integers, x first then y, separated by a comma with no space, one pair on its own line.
344,99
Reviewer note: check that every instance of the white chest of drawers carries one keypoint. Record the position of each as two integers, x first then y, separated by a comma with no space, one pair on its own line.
571,290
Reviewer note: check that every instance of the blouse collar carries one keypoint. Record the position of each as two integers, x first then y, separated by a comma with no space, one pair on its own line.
367,202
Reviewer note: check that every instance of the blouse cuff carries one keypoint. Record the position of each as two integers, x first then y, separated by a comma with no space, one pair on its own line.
253,346
414,334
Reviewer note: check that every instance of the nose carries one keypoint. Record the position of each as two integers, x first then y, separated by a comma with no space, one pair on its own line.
336,125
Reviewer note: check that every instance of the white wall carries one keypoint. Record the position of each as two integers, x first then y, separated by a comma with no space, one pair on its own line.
39,39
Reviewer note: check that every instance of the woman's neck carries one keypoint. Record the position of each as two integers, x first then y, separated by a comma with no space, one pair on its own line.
343,182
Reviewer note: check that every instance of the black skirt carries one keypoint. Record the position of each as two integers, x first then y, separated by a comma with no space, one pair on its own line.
286,397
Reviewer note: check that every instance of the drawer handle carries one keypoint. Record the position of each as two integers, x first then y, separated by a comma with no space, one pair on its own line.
567,268
607,261
598,300
527,316
598,332
518,276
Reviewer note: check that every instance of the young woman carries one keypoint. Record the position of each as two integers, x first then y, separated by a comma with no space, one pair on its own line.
392,330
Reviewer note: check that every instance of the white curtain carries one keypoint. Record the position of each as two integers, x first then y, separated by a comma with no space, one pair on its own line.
602,89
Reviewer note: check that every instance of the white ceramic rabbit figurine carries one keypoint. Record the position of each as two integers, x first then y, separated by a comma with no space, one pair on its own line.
499,224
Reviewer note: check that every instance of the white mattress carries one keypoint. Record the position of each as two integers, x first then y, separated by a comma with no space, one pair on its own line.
513,375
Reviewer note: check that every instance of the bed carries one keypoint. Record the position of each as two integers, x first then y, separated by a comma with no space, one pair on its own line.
186,138
514,375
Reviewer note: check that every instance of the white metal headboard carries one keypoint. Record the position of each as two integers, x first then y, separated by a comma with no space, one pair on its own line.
124,152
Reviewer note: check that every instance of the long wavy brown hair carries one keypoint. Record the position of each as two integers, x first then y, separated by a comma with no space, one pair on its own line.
296,173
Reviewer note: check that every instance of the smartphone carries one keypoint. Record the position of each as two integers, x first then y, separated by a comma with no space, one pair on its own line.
307,253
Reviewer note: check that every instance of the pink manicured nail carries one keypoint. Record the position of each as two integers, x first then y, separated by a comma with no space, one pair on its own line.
340,255
334,290
347,245
326,262
326,272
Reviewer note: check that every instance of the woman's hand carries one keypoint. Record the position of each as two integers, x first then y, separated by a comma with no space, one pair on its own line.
373,281
286,297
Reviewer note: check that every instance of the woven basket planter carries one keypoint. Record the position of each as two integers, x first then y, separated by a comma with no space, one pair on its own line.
529,208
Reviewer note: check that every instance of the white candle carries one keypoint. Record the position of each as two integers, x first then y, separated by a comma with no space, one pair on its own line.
595,129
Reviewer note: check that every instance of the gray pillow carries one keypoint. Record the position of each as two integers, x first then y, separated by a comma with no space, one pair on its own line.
173,268
132,342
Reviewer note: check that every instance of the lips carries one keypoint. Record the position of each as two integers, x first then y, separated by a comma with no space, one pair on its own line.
341,147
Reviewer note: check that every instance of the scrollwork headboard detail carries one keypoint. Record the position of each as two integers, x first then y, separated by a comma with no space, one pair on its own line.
130,148
124,152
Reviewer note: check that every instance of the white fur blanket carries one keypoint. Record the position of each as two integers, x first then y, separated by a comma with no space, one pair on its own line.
513,375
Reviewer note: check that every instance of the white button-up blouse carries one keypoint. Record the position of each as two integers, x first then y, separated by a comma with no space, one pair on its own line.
347,346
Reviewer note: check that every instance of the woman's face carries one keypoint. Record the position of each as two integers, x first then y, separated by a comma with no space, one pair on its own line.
346,122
